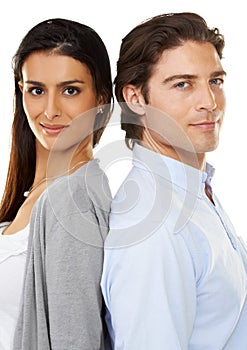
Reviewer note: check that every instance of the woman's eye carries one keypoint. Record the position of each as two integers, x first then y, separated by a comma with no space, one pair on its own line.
71,91
36,91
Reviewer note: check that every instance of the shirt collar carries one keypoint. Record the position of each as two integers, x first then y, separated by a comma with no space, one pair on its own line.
184,176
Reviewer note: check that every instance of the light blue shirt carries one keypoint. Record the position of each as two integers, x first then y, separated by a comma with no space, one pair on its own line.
175,272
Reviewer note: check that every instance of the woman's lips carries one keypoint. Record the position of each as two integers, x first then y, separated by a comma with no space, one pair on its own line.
53,129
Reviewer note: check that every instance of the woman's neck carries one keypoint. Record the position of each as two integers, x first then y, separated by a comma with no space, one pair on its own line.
57,163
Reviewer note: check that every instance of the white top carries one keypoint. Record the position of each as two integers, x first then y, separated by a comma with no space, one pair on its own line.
13,250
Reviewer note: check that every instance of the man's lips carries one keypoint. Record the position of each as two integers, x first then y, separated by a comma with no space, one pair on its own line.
53,129
205,125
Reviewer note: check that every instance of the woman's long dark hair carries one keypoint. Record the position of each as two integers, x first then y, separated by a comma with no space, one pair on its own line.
65,37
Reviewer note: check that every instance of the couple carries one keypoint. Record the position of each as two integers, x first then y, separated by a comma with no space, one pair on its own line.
172,272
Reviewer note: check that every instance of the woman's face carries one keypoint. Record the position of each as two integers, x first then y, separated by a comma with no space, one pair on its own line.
59,100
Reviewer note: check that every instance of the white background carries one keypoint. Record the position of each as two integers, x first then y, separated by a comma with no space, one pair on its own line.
113,20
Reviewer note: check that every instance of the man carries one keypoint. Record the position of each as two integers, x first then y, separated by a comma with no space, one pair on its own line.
175,273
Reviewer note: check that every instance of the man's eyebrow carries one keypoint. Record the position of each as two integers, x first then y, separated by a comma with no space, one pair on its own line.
179,76
218,73
191,76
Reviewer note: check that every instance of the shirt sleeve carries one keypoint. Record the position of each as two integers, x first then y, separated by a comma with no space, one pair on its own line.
73,272
74,261
150,293
243,251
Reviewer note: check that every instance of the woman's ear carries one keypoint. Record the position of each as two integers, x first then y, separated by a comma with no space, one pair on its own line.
20,86
100,105
134,99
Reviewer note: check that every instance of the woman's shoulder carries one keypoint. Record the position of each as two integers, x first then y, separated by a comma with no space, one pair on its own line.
87,186
90,175
77,203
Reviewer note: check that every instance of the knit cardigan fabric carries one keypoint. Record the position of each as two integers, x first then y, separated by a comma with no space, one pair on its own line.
62,305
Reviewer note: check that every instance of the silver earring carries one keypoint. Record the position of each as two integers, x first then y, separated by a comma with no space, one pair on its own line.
100,110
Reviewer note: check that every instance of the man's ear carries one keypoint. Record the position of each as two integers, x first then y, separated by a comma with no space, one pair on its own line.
134,99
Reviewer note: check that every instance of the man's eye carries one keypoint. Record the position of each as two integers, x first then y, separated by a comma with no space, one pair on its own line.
216,81
182,84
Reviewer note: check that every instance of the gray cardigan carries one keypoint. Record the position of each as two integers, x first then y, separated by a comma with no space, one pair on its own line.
62,302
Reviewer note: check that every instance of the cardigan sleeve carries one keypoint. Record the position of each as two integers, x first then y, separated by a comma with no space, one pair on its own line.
62,302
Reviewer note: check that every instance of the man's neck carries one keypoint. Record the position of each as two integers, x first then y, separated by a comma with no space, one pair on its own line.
196,160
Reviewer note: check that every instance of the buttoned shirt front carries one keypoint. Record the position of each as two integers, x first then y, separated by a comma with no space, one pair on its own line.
175,272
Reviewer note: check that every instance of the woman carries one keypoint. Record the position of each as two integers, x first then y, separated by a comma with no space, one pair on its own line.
54,210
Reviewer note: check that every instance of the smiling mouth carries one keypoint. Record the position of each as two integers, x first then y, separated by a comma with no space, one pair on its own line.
53,129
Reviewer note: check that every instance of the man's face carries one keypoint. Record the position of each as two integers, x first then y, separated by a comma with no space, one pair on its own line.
187,87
